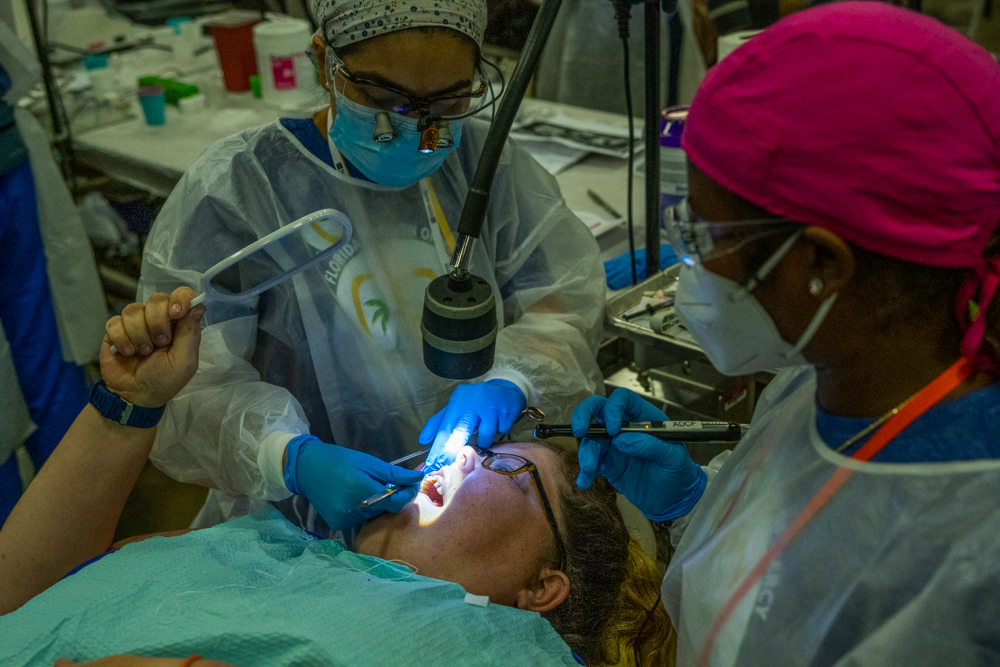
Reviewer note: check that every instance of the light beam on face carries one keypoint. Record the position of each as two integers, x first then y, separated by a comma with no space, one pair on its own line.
459,438
436,492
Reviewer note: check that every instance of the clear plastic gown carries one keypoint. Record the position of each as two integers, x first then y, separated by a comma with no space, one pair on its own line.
900,567
337,351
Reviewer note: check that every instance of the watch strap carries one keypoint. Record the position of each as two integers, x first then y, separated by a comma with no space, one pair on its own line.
114,407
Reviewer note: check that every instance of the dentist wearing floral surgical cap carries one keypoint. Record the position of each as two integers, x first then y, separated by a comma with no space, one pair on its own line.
308,388
844,170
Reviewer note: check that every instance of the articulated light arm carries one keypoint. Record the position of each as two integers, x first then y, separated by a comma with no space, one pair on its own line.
459,324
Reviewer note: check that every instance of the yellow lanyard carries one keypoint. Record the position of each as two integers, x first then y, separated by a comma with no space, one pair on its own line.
434,212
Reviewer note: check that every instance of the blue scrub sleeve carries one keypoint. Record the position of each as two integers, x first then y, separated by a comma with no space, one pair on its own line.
54,390
10,486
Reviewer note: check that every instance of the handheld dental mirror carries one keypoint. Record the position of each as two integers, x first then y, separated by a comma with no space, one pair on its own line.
275,258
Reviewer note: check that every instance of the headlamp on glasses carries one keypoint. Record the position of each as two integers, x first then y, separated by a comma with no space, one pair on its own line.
435,113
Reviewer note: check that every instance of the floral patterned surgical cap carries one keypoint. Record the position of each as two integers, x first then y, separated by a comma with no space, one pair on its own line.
350,21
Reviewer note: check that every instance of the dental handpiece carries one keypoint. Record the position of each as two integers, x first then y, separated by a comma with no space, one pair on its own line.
391,488
671,431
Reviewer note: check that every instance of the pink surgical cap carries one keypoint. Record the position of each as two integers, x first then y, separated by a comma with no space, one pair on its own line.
875,122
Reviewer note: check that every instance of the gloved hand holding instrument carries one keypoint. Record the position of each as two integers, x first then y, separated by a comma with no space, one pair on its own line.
336,479
486,408
657,477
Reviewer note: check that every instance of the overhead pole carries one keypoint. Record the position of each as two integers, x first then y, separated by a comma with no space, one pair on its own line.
62,138
652,132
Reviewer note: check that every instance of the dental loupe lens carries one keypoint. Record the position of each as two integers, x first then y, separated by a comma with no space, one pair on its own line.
384,131
445,138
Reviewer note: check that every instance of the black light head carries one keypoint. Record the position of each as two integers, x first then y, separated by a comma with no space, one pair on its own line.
459,326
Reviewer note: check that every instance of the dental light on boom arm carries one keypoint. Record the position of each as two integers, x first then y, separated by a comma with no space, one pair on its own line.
459,324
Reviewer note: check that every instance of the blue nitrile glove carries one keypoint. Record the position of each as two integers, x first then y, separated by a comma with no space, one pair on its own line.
620,275
490,407
657,477
336,480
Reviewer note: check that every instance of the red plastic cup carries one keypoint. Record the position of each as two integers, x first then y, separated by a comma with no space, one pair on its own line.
233,37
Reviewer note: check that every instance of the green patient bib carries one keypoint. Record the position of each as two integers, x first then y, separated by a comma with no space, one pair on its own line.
258,591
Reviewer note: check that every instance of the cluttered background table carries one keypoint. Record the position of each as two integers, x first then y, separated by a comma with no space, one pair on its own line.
593,177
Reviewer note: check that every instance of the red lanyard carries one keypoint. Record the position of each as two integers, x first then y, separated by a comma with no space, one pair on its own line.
956,374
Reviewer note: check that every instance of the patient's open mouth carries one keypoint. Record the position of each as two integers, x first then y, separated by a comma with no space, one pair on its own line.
437,491
432,486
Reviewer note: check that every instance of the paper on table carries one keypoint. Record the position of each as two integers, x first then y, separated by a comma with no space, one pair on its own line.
554,157
596,224
594,137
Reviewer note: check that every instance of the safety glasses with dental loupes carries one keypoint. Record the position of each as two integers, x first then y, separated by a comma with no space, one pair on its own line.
450,106
696,241
434,114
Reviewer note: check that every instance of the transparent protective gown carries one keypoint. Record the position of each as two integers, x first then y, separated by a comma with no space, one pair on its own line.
336,351
901,567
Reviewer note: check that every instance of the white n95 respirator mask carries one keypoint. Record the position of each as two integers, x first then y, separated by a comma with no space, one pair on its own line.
735,332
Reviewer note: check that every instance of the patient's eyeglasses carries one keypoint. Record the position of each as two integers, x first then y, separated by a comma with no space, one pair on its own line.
512,465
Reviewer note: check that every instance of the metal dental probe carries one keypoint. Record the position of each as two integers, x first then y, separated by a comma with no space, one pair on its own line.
671,431
391,489
406,458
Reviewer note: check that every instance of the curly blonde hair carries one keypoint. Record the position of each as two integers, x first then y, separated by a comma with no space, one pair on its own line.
613,614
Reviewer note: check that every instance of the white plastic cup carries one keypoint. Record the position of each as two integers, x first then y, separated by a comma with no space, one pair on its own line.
102,77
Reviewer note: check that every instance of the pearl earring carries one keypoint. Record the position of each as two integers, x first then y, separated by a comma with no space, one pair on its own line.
815,286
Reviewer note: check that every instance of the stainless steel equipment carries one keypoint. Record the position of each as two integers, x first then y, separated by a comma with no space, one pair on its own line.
670,370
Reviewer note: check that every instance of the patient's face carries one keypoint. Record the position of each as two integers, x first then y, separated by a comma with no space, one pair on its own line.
482,530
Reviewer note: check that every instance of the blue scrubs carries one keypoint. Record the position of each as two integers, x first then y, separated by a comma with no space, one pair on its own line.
54,390
964,429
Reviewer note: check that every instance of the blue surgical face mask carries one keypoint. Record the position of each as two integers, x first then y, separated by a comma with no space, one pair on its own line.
395,163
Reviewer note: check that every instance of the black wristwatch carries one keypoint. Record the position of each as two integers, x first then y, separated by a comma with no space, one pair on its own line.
116,408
